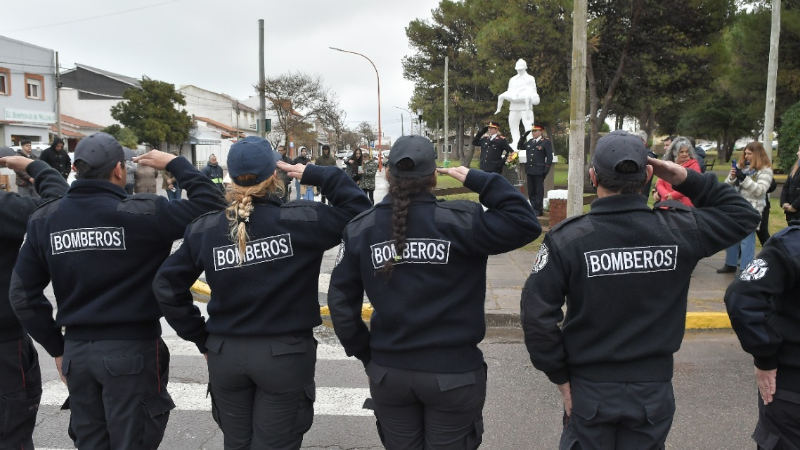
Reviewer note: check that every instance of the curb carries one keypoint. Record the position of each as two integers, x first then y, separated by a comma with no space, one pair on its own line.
694,320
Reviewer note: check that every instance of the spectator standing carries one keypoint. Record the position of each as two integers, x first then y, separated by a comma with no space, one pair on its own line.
170,184
790,195
367,182
101,249
354,165
24,180
680,152
302,191
20,374
57,157
325,159
752,177
214,172
284,177
261,354
144,180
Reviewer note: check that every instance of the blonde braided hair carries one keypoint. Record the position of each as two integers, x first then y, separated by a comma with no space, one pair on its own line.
240,205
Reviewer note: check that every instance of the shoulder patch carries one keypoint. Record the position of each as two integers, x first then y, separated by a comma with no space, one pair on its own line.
542,258
754,271
300,211
139,204
45,209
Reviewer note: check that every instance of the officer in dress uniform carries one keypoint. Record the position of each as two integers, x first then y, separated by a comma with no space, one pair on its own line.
539,153
261,258
765,314
101,249
422,264
494,148
20,377
624,271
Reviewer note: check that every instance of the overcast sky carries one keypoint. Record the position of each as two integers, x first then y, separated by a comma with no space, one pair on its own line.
214,44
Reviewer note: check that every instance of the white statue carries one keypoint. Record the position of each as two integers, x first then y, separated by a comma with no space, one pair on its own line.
522,96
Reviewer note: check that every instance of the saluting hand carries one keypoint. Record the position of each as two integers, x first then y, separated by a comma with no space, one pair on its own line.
459,173
18,163
292,170
155,159
668,171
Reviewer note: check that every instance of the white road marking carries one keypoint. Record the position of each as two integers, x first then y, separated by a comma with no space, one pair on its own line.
331,401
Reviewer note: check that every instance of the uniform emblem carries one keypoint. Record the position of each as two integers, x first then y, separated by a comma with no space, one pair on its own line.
340,254
754,271
541,259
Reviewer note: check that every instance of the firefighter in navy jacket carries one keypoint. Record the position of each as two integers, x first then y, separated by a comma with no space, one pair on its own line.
101,249
262,259
494,148
765,313
624,270
422,264
539,158
20,377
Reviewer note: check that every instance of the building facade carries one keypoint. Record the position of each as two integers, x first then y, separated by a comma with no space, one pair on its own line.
88,93
27,92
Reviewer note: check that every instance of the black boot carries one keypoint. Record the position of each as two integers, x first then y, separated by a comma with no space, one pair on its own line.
726,269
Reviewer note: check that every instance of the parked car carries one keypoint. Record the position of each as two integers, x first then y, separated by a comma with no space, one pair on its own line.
343,154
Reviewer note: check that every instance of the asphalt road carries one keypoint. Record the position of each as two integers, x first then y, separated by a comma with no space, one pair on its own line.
714,391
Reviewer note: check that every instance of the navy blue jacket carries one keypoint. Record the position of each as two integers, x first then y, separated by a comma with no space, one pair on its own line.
539,156
764,306
429,312
624,271
493,152
101,248
274,290
14,212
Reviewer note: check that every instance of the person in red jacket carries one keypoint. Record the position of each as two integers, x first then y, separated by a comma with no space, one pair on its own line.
681,151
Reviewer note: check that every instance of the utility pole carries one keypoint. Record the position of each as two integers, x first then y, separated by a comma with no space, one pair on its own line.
577,110
262,86
772,77
58,98
402,127
446,139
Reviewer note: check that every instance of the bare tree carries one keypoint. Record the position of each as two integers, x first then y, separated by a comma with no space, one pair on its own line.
365,130
298,99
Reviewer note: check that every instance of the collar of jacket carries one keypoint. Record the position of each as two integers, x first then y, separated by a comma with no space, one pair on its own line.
422,197
270,199
93,187
619,203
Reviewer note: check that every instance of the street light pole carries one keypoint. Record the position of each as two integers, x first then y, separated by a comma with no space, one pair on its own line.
380,133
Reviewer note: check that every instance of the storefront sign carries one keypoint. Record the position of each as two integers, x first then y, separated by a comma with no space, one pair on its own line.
23,115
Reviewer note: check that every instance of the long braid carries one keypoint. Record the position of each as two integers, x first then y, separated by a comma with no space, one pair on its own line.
240,207
401,190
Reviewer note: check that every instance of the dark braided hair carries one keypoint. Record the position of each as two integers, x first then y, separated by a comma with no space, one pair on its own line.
401,190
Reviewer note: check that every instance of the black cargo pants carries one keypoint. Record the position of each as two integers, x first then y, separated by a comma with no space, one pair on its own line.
262,389
117,392
423,410
635,416
20,392
778,426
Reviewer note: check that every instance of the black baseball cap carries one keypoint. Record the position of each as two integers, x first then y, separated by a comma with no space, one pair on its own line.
254,156
100,151
419,151
617,147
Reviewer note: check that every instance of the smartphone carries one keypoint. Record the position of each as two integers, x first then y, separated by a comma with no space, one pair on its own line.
733,163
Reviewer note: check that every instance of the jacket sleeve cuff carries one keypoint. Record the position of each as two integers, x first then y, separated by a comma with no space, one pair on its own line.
692,185
559,376
766,362
314,175
35,168
54,345
476,180
178,166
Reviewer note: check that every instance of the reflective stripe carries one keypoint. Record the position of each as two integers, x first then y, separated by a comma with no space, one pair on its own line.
217,180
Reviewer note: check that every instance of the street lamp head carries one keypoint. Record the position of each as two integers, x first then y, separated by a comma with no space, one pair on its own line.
419,111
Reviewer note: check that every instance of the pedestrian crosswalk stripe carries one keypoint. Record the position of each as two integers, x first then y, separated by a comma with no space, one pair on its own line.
330,401
179,347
